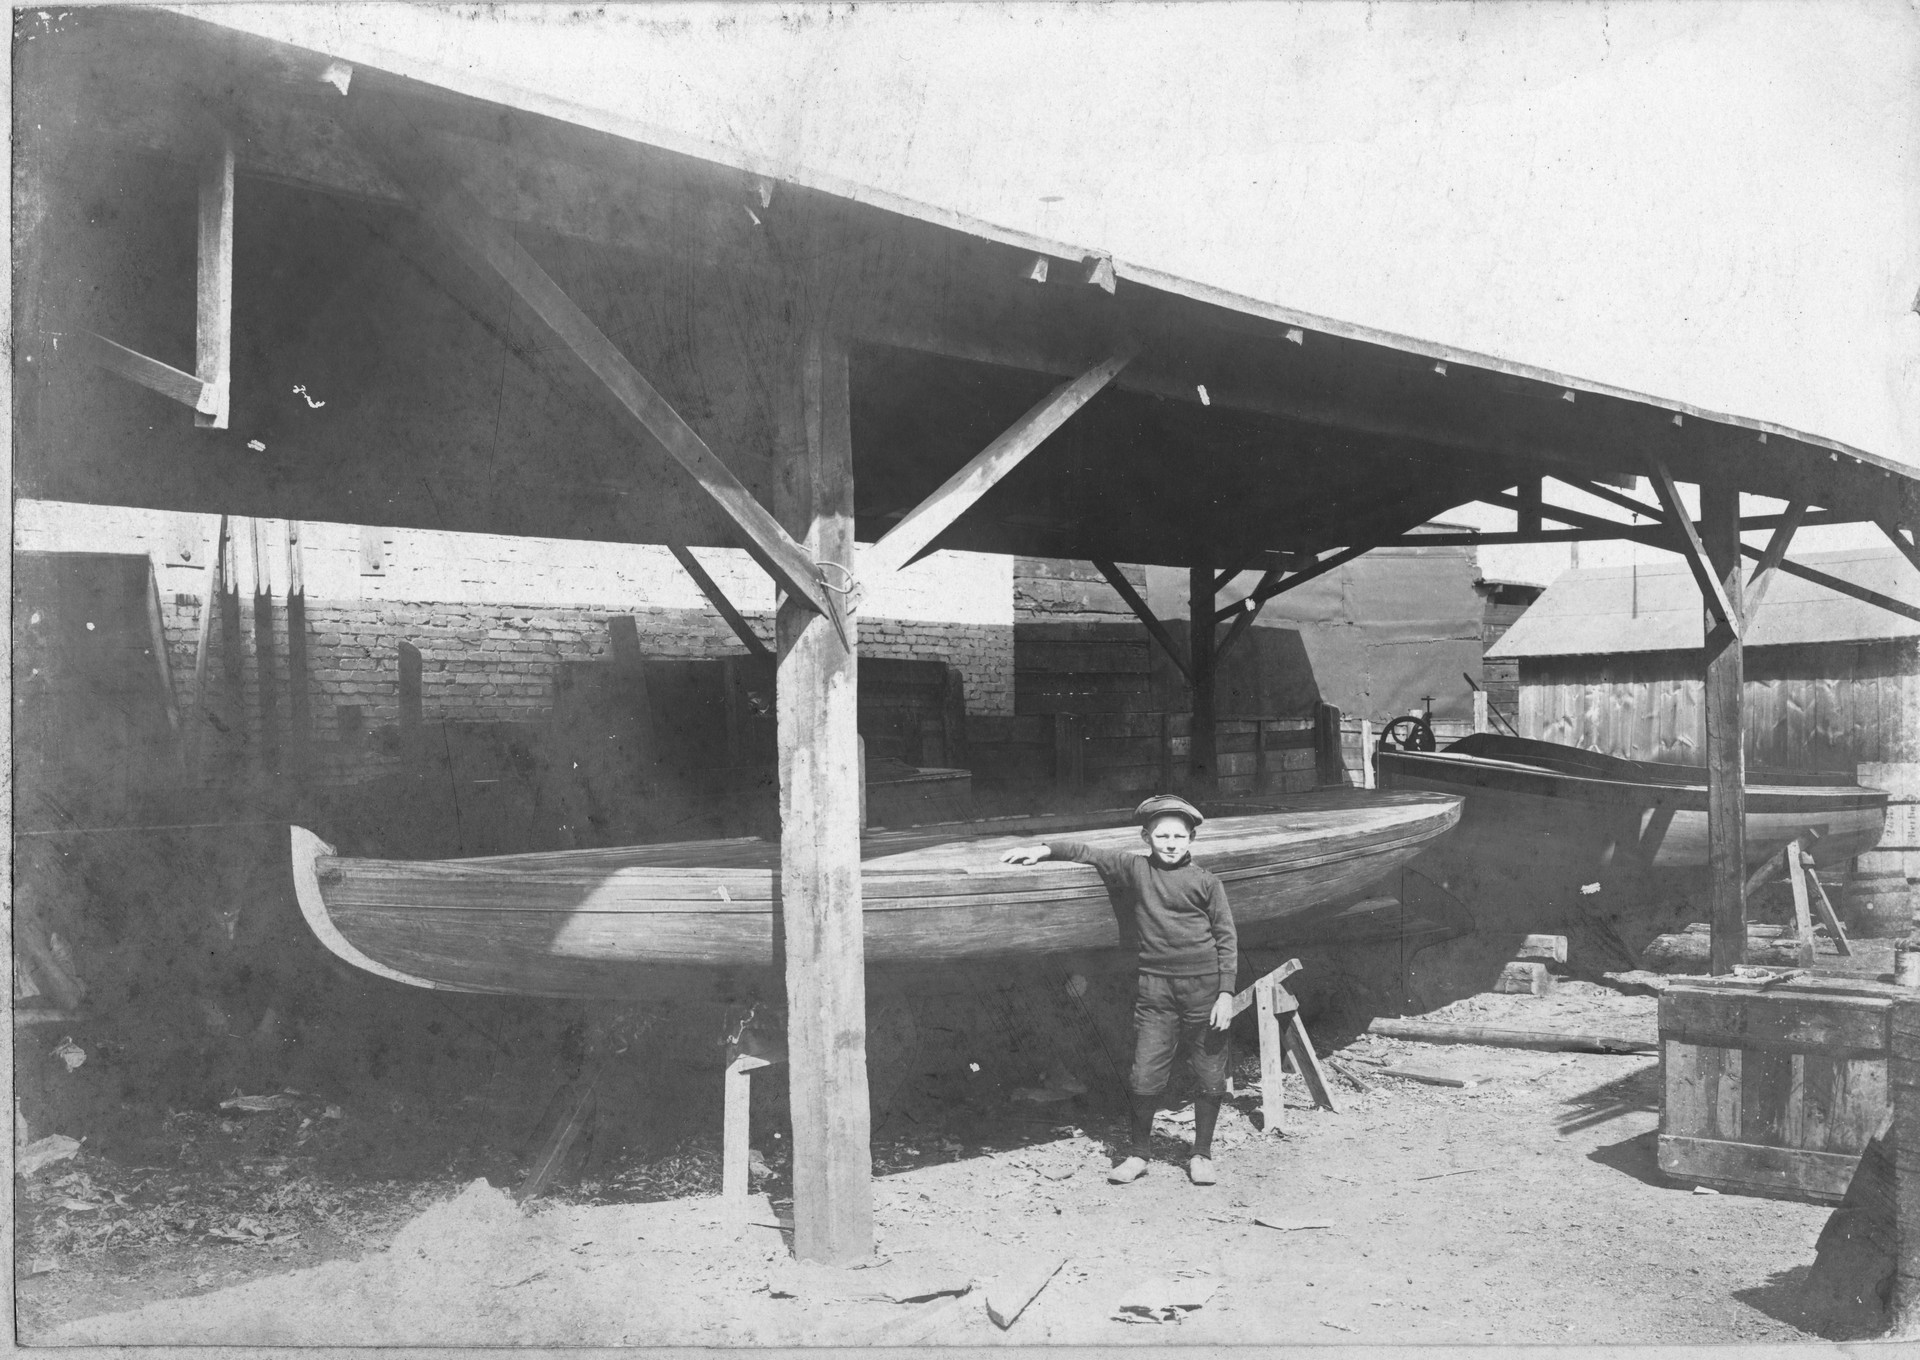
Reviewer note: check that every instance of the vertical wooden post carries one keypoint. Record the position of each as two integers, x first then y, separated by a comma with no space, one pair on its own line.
1802,913
1368,778
1480,710
1273,1108
299,699
820,778
1532,500
736,1140
1202,764
197,723
263,651
1903,1078
213,316
1726,756
1069,752
232,658
1332,769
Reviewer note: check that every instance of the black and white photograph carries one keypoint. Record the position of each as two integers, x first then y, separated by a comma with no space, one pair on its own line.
839,675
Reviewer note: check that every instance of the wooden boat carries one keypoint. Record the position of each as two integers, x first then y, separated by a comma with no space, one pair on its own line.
1660,810
586,923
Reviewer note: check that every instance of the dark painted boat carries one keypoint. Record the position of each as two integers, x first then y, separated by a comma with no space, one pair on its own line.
596,923
1659,810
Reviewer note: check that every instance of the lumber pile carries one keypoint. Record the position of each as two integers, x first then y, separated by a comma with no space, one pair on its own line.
1687,951
1531,970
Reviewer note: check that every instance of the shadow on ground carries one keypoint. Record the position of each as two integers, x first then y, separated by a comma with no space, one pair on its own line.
1636,1092
1785,1298
1637,1157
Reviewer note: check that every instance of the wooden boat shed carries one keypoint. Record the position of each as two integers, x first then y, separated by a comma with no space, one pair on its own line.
258,280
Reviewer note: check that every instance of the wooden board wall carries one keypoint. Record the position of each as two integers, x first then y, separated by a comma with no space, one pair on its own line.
1828,706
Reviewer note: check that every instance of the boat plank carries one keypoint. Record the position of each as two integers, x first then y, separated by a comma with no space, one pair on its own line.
588,923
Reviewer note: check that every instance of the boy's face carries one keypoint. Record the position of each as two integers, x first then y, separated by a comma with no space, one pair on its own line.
1168,837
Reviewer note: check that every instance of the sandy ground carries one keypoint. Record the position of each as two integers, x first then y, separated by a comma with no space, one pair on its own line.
1527,1208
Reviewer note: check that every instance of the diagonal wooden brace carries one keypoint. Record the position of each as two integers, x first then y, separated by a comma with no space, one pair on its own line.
1124,588
1770,561
1692,549
718,599
926,521
458,217
1909,548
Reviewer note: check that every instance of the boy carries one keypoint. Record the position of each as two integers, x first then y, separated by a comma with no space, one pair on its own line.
1188,956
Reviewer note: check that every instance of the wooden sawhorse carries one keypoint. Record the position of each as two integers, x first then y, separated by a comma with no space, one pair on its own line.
1272,1001
1801,877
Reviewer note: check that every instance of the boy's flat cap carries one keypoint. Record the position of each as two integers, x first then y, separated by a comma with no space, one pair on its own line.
1168,802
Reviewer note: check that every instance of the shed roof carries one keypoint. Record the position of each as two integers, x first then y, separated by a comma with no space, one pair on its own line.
1292,432
1656,608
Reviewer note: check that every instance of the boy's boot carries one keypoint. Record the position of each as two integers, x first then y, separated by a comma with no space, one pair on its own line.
1139,1141
1206,1113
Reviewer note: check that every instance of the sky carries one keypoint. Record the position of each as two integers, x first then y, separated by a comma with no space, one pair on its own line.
1713,203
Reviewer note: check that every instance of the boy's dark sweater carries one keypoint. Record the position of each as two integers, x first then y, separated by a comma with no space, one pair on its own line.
1179,914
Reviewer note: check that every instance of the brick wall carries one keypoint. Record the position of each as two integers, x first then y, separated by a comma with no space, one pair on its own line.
497,663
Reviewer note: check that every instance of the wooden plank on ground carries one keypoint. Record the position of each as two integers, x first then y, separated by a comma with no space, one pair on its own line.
1011,1292
1425,1031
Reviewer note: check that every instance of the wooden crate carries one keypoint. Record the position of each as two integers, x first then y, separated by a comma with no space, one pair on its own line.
1773,1092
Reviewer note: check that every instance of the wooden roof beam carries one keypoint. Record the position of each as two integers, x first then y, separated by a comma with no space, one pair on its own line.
1692,549
1246,610
1843,587
914,534
456,216
1908,548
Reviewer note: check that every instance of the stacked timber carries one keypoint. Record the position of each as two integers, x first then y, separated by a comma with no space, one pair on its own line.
1531,970
1687,951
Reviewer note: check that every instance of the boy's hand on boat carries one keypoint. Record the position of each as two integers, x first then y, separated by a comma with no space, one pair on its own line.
1222,1011
1024,854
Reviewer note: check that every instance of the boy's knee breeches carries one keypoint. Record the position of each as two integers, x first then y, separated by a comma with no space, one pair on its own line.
1167,1010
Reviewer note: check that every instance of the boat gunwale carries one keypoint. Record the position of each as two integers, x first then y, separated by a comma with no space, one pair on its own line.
757,906
756,885
1770,799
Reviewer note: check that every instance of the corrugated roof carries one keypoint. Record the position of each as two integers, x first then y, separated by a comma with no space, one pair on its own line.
1656,608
